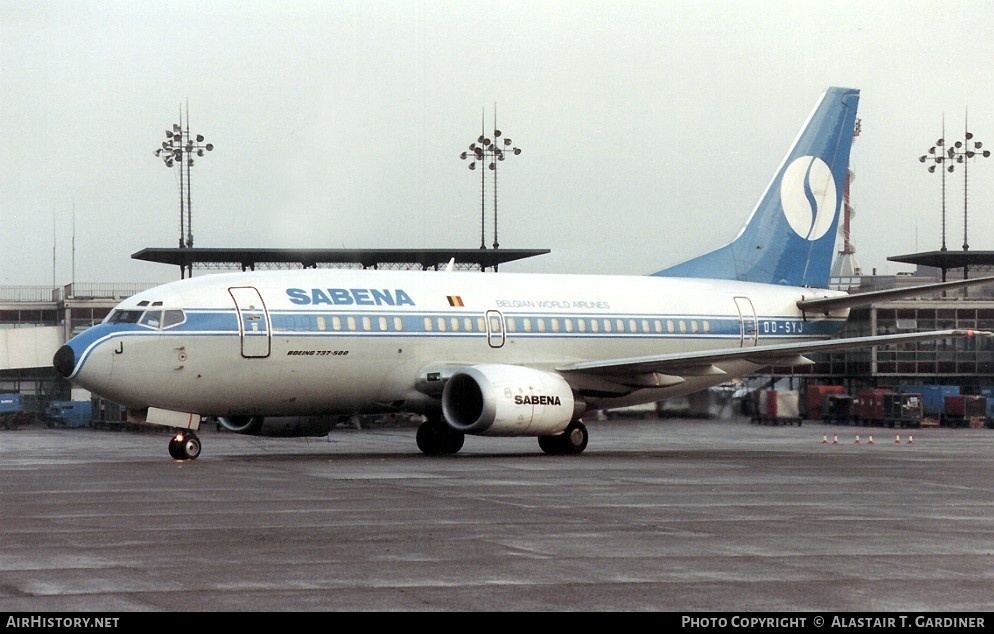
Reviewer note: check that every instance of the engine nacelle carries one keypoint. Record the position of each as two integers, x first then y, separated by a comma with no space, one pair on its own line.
279,426
506,400
248,425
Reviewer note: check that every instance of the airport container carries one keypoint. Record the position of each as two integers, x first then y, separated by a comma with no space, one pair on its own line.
69,413
11,411
11,403
989,393
933,397
779,407
814,401
870,405
839,409
902,409
965,411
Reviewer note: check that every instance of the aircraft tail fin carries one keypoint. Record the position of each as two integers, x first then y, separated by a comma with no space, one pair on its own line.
790,235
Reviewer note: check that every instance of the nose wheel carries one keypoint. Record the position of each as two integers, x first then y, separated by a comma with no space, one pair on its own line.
184,446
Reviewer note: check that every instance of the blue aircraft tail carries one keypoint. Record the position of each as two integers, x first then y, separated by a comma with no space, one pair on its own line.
790,236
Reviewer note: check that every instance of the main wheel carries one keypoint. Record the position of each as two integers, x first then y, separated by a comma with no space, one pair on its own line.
575,438
427,438
572,441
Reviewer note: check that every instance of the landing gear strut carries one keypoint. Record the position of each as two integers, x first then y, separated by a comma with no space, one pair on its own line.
435,438
184,446
572,441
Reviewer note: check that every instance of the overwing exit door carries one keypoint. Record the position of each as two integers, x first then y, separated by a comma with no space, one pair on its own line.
495,328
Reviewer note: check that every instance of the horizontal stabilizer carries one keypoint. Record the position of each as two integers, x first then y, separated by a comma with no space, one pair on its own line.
828,304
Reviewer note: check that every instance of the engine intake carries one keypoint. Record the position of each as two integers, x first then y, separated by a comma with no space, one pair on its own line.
505,400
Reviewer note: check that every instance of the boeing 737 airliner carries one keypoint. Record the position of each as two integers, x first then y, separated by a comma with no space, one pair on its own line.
499,354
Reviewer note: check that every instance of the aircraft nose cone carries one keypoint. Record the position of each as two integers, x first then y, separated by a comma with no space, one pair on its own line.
64,361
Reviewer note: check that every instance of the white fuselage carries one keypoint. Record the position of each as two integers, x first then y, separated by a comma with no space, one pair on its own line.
324,341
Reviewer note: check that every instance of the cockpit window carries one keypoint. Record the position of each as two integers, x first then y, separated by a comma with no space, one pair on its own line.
172,318
125,316
152,318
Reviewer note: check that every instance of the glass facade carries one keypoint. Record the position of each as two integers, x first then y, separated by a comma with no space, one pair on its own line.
967,361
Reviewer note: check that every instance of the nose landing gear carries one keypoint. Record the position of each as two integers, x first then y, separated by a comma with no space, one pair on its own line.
184,446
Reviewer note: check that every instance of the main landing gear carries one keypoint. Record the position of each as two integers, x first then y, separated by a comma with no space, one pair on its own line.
184,446
435,438
571,442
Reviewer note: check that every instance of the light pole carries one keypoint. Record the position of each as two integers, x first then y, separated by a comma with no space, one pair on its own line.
961,152
936,156
178,149
489,152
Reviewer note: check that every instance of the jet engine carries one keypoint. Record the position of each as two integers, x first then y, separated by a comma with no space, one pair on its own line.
248,425
505,400
279,426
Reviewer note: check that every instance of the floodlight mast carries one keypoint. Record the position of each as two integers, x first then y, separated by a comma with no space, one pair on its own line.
178,150
489,152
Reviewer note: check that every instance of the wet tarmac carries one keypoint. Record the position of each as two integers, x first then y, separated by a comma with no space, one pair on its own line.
663,515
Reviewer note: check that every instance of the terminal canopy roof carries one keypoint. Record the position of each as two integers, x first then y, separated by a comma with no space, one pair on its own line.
250,259
946,260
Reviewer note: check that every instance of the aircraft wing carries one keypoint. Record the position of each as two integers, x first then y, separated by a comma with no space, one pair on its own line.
669,369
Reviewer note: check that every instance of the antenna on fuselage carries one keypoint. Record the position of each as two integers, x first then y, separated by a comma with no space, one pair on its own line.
451,265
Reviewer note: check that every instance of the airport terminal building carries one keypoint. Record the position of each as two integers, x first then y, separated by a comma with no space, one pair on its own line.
36,320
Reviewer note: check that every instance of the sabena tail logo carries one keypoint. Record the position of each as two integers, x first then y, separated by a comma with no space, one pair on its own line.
808,197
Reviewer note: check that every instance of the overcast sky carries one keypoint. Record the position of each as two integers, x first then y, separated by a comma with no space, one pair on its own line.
648,129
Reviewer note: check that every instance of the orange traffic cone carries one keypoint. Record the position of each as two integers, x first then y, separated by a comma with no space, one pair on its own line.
910,441
835,439
856,442
824,439
898,439
871,440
